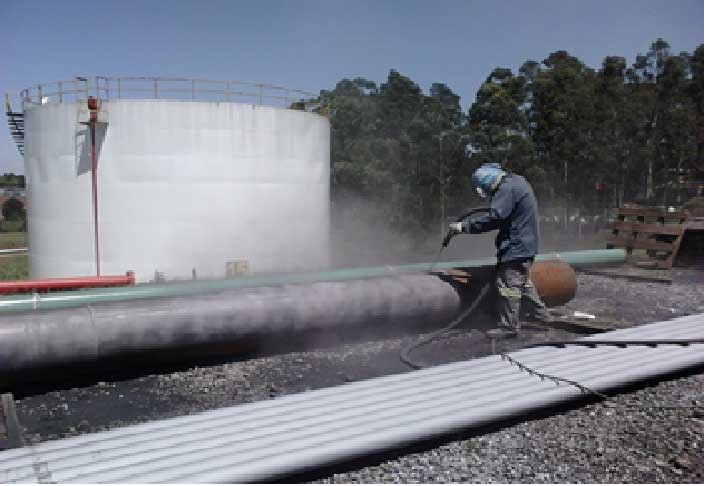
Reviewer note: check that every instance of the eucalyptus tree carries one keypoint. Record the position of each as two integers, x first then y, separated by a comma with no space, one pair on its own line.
563,123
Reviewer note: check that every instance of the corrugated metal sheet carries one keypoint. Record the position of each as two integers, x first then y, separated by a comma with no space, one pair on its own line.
258,441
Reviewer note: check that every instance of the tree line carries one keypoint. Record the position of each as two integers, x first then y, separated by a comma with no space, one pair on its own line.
586,138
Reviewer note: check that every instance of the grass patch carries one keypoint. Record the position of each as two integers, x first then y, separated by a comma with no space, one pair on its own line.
13,240
9,226
14,267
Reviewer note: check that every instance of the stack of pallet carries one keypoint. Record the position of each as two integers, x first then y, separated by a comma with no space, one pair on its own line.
656,231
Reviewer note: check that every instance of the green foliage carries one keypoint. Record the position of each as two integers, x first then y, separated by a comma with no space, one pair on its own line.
12,180
498,123
596,139
14,267
396,147
583,137
13,210
10,226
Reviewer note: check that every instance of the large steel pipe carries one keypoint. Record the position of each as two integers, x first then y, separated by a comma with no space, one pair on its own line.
47,338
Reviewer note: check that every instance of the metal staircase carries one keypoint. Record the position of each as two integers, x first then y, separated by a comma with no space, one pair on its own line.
16,122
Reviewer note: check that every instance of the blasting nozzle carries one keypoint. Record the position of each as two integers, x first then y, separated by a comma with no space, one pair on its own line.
454,229
447,239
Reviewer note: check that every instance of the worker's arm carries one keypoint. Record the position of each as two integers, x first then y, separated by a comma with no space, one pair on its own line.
501,206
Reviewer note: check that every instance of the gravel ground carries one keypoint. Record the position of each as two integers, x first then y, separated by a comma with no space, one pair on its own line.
634,445
639,302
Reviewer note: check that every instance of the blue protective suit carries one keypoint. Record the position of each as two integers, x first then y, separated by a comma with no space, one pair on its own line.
513,211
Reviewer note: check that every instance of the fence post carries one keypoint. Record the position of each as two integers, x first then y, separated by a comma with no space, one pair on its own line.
155,88
193,89
61,94
227,90
39,94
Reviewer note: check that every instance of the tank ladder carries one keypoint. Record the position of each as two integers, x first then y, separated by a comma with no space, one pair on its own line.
16,123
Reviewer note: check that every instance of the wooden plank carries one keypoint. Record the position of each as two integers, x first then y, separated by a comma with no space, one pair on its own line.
695,224
653,213
651,228
641,244
670,258
666,264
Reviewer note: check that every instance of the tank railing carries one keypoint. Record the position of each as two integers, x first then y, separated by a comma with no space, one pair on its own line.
197,89
67,90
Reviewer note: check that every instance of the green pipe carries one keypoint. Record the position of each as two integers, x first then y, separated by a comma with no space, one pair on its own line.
55,300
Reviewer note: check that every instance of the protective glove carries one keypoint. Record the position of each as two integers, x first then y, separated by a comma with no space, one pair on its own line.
455,228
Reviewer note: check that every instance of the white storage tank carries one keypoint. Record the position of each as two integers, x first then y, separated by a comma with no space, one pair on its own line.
182,186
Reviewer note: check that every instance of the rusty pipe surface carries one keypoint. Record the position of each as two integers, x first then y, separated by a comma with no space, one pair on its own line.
555,281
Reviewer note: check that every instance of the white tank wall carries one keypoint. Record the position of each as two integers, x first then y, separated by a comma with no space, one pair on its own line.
181,185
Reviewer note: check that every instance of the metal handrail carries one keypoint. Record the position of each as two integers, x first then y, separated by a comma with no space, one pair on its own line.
135,87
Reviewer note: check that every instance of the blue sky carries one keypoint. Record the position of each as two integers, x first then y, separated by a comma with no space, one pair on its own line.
312,44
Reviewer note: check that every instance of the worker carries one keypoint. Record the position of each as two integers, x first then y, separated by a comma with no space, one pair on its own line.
513,211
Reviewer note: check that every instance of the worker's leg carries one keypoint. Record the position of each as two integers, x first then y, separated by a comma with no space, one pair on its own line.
532,307
509,281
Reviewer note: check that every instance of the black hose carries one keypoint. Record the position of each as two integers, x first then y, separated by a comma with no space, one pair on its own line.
618,343
450,235
473,211
447,239
404,354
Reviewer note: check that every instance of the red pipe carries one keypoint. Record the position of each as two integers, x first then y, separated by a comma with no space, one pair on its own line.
69,283
93,108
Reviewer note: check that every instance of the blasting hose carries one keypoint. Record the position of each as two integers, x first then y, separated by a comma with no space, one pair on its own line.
450,234
404,354
460,219
653,343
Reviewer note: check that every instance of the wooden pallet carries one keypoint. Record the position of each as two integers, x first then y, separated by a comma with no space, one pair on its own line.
691,250
657,231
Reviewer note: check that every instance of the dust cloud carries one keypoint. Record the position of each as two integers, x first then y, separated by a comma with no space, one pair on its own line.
360,236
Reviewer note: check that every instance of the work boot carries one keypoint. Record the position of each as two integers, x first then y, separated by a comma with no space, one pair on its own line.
500,333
